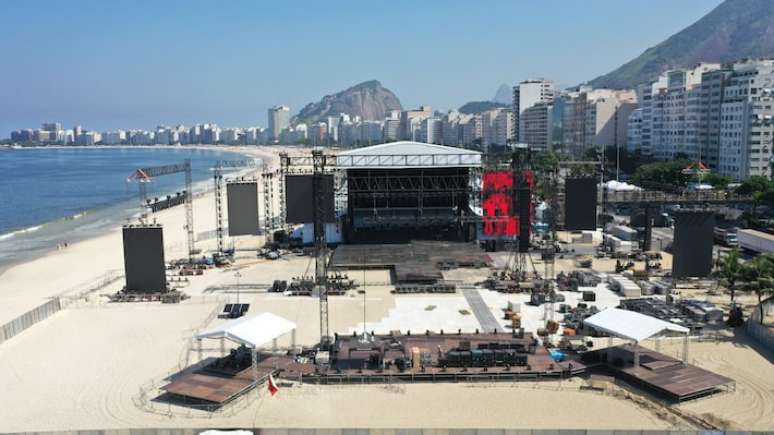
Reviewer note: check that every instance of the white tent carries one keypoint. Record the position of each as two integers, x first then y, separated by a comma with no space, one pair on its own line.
253,331
630,324
634,326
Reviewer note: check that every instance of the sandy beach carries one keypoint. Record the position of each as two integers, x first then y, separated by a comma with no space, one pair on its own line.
85,367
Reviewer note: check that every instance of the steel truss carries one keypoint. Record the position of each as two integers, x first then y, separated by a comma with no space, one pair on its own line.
146,175
220,166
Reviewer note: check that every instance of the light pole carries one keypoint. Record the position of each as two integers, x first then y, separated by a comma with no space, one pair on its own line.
237,275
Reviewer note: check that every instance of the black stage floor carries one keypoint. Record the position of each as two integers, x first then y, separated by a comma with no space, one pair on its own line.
418,261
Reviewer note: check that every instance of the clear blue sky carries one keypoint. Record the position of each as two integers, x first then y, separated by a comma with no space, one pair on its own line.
136,64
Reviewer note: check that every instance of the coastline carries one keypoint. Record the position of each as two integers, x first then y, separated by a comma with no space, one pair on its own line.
202,188
27,284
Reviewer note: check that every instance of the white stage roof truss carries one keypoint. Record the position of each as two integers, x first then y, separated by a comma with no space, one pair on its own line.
407,155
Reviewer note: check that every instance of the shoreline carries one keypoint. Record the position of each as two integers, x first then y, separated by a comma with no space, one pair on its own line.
245,151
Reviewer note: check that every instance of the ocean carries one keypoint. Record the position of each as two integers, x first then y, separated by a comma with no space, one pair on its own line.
56,195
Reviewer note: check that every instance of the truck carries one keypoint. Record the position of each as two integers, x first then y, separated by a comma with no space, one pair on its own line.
755,241
726,236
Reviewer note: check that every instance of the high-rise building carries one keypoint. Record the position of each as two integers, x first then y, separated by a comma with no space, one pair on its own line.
525,95
318,134
634,131
712,87
747,120
391,129
430,130
473,130
51,126
536,126
503,128
410,121
279,119
594,118
77,132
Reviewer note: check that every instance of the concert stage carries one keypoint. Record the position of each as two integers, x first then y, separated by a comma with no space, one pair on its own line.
435,357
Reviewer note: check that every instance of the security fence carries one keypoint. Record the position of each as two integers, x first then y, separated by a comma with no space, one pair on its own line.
763,334
31,317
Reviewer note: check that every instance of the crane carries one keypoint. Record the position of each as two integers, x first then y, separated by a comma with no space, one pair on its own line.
147,174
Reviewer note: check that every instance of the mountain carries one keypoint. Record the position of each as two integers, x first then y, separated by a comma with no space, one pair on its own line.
735,29
369,100
503,95
479,106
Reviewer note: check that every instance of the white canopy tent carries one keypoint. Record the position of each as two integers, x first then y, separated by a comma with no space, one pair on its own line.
253,332
634,326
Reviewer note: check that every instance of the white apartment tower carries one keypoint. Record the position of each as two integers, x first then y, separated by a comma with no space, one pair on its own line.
747,121
525,95
279,119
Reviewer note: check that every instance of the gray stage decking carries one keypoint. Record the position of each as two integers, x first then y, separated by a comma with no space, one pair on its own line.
483,314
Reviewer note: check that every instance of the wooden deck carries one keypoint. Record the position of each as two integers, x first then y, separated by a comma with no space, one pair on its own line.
667,376
219,387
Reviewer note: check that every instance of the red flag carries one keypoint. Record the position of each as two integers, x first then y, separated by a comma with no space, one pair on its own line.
273,389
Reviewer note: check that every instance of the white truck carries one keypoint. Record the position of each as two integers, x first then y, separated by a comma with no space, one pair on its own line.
755,241
726,236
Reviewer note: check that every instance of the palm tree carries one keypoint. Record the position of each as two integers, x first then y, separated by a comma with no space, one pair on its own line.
758,276
730,272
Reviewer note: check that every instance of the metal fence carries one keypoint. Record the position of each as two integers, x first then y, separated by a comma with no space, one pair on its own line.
761,333
31,317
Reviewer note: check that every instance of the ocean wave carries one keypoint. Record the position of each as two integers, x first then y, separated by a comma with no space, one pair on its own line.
76,216
7,236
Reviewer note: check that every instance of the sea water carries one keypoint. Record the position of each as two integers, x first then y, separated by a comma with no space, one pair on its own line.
52,196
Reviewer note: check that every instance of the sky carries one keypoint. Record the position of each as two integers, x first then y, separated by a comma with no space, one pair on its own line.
138,64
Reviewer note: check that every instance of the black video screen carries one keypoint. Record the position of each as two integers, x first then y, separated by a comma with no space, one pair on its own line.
300,198
580,204
242,199
144,259
692,246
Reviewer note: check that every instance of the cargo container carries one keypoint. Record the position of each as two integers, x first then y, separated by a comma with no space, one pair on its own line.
755,241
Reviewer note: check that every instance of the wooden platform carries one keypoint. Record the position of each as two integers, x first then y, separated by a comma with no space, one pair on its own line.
664,375
220,388
351,363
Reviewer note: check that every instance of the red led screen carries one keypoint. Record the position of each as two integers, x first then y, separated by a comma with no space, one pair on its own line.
499,219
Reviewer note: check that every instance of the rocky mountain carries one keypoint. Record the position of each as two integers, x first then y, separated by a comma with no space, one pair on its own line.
369,100
735,29
479,107
503,95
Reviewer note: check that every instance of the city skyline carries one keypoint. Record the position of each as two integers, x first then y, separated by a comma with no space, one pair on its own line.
232,73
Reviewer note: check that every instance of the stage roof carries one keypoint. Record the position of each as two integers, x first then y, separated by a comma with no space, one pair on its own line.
251,331
406,154
630,324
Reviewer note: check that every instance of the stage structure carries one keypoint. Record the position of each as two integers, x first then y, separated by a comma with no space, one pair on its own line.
242,201
267,181
146,175
404,191
144,265
380,190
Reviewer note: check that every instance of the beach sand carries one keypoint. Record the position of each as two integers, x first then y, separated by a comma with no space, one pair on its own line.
84,367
